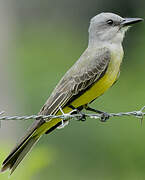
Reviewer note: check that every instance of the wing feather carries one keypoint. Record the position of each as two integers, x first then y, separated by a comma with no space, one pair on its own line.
82,75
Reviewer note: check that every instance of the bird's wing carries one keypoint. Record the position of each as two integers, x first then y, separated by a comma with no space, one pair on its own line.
85,72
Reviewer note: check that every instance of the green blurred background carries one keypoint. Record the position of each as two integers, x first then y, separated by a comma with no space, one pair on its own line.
39,41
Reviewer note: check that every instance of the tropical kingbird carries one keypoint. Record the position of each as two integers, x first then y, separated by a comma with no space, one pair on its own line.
95,71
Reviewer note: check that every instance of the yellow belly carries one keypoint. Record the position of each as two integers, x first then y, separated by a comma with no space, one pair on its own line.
100,86
95,91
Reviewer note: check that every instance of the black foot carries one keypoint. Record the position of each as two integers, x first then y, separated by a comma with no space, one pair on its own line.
78,111
104,117
83,116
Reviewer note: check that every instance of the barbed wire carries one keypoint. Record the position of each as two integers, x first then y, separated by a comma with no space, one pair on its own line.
139,114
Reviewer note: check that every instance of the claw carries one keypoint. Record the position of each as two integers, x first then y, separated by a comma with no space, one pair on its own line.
83,117
104,117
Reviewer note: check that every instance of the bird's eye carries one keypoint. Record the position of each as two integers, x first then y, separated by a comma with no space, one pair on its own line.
110,21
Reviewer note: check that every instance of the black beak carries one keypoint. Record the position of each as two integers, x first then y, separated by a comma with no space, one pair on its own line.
130,21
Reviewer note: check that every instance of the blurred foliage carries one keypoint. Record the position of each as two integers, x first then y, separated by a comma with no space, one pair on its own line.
32,167
113,150
83,150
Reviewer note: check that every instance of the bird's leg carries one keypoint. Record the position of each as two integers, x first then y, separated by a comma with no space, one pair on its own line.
78,111
104,115
83,116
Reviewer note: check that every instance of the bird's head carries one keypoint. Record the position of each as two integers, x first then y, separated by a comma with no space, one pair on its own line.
109,27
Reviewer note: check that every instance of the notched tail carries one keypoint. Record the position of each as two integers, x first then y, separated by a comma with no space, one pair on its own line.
22,148
16,156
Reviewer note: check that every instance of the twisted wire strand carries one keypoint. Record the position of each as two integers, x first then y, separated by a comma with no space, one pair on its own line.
139,114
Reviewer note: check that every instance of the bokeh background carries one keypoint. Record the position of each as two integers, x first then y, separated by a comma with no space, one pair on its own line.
39,41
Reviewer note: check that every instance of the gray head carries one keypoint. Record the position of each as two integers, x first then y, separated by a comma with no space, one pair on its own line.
109,27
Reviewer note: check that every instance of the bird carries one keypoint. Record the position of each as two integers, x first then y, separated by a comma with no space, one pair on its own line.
96,70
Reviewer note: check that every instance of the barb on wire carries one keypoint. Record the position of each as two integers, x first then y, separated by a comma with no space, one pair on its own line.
139,114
